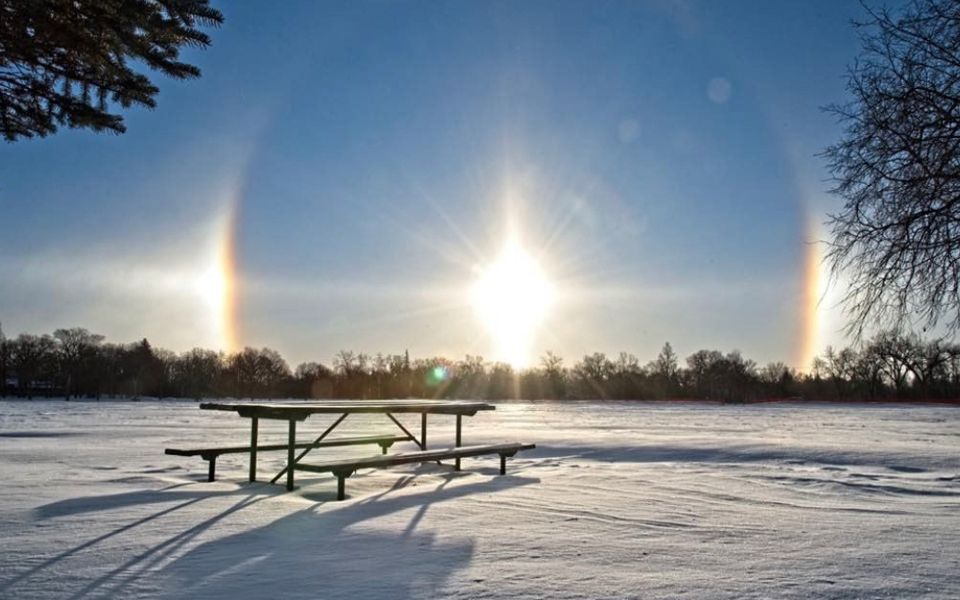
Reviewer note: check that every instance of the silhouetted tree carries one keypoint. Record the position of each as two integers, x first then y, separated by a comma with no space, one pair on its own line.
4,362
314,380
347,366
933,367
711,374
626,376
502,382
257,373
664,372
271,374
240,372
470,380
897,168
197,373
34,360
699,370
555,375
142,371
345,363
778,379
380,371
71,62
76,349
591,375
889,358
109,368
398,385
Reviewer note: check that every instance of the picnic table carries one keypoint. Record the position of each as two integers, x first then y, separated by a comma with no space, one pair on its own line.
295,413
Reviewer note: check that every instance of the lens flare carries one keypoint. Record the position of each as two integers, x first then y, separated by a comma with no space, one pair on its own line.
437,375
512,298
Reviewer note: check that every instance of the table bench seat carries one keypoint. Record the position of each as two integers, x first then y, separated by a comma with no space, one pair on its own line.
345,468
210,454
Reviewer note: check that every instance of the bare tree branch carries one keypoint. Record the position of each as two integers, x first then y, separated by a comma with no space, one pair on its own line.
897,168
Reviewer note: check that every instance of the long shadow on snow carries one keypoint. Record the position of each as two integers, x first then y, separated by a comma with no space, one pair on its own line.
288,547
38,434
110,501
134,569
73,506
325,554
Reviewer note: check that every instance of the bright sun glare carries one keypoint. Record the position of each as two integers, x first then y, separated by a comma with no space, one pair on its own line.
512,297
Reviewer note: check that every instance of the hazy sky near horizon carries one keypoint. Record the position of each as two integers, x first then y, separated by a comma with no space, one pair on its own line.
343,171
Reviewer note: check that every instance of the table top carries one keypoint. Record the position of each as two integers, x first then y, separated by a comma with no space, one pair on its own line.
301,410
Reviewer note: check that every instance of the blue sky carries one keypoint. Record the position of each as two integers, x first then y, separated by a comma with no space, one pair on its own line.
657,158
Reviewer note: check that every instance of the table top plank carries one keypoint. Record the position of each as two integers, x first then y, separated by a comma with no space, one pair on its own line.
301,410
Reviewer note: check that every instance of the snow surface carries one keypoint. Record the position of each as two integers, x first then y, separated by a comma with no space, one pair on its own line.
619,500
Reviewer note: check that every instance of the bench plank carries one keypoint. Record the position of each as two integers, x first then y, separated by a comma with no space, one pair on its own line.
355,441
211,454
379,461
345,468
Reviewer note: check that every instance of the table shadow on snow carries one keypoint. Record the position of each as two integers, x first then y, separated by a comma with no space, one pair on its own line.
270,553
39,434
174,493
295,552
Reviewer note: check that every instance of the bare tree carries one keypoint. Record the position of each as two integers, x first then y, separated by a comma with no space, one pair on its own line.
271,371
75,348
4,360
897,168
345,363
666,363
197,373
34,360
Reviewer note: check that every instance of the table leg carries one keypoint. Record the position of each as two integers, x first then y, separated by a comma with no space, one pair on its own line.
456,466
310,447
423,431
253,448
291,446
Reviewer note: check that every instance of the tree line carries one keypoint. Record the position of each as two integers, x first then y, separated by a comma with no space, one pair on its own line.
77,363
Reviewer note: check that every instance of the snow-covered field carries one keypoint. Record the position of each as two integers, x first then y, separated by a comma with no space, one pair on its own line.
620,500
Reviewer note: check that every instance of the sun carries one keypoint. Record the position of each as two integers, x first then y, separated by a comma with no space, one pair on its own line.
512,297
